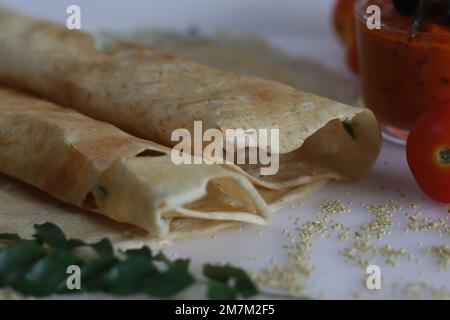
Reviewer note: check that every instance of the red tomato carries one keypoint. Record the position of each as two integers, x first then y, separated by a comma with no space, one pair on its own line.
428,152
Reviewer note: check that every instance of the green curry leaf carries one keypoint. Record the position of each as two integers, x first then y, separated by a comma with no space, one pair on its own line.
231,277
39,268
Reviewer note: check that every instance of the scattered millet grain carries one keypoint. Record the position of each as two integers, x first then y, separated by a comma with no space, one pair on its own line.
442,255
290,276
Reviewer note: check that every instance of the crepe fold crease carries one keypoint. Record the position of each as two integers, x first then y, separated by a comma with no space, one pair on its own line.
150,94
96,166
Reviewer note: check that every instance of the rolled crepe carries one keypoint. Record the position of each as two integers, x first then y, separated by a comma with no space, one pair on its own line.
246,54
150,94
96,166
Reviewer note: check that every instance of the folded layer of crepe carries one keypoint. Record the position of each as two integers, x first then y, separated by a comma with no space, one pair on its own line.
96,166
150,94
24,206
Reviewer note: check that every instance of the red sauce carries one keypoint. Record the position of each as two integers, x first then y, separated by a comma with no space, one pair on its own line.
403,75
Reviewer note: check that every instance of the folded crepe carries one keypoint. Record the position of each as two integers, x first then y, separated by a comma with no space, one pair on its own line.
24,206
150,94
96,166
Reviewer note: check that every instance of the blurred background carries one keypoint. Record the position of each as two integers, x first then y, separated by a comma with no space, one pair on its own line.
300,27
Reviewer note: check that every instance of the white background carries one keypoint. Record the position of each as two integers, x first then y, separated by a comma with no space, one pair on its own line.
302,27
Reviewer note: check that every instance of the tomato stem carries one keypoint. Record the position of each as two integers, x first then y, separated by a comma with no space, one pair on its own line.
444,156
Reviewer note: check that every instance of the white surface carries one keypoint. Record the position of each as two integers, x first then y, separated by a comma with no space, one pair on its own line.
302,27
333,277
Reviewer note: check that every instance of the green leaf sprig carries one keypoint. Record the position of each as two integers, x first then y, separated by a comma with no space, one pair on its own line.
38,268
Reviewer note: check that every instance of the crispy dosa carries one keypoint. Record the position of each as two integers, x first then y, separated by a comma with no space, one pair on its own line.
23,206
96,166
246,54
150,94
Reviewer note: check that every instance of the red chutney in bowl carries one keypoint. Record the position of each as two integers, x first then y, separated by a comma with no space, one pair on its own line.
402,74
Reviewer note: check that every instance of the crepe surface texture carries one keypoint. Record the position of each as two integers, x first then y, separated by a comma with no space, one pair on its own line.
246,54
96,166
150,94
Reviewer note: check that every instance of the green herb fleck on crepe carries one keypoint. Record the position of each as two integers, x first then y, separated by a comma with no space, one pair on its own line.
350,130
38,268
